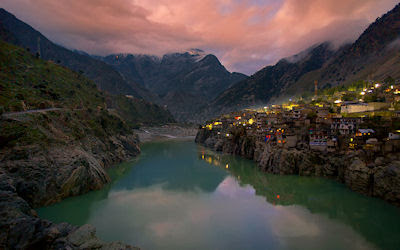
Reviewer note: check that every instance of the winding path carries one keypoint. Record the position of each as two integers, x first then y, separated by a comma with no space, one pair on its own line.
10,114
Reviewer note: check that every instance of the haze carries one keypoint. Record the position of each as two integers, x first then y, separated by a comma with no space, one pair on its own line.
246,35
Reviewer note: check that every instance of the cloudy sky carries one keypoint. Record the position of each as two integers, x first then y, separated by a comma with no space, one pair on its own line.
245,34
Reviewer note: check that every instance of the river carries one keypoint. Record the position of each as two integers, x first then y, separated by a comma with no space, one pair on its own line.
178,195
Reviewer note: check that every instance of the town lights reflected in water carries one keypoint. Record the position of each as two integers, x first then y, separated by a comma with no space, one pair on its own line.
178,195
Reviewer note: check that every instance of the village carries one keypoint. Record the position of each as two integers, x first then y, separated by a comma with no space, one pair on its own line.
364,116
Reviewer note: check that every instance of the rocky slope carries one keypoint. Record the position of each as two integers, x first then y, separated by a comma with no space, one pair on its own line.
20,228
14,31
183,82
377,177
374,55
272,80
60,148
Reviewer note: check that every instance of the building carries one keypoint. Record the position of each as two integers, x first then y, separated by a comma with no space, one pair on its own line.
365,132
345,125
318,140
362,107
394,136
291,140
332,144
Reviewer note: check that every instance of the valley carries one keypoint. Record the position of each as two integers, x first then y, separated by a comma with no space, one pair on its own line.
175,150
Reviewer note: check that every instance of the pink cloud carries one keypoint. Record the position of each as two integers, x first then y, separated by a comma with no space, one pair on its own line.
244,34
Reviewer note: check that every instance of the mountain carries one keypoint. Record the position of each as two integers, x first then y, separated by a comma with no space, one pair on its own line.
106,77
272,80
183,82
29,83
57,138
15,31
193,76
375,54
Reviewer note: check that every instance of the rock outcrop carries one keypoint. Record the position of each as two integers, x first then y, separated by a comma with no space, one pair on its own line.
43,176
32,176
375,176
20,228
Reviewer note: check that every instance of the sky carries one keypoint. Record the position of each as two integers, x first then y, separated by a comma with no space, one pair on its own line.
245,35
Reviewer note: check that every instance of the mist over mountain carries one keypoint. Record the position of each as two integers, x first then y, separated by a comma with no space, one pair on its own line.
19,33
106,78
194,85
373,55
271,81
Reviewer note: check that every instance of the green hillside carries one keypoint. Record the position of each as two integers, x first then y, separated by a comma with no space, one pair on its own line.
30,83
77,108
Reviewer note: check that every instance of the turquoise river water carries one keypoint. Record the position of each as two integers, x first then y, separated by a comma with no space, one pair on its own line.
178,195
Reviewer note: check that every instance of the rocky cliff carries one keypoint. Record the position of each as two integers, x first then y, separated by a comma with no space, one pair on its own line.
34,175
56,139
20,228
373,176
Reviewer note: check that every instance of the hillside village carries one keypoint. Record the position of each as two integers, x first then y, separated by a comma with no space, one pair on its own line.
365,115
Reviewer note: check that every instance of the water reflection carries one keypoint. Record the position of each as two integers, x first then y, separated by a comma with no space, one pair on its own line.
181,196
174,166
376,220
232,217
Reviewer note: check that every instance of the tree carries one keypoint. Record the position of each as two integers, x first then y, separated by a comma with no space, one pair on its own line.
349,96
389,80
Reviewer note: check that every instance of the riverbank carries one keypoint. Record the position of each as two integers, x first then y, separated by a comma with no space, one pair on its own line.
374,176
56,156
205,193
42,174
166,132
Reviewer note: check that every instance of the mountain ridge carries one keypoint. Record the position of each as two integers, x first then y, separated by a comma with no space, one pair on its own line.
19,33
369,56
182,82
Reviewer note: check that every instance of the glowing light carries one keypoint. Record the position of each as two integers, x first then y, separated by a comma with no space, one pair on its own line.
338,101
377,85
278,196
362,93
251,121
391,86
209,126
227,135
351,139
227,166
